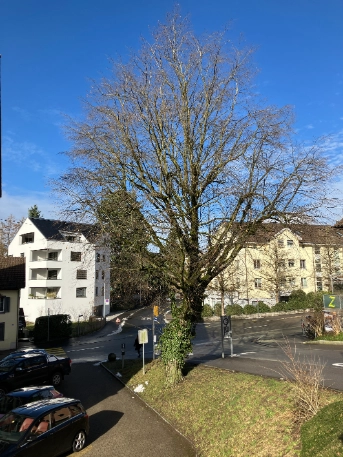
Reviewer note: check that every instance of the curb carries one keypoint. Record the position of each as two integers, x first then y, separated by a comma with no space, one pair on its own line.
153,409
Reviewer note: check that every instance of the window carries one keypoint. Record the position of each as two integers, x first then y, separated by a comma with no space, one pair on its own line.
303,282
80,292
317,250
61,415
52,256
257,264
319,284
103,274
280,243
4,304
52,274
27,238
102,291
81,274
238,283
318,267
75,256
21,254
97,257
290,243
96,274
281,264
291,282
302,263
103,257
2,331
96,291
258,283
291,263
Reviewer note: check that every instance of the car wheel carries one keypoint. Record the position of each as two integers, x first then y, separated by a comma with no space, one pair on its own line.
79,441
56,378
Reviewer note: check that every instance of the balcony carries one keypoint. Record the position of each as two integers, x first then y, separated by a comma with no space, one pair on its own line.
45,293
46,255
45,277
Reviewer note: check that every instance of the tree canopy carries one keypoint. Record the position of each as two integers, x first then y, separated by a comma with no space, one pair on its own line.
180,125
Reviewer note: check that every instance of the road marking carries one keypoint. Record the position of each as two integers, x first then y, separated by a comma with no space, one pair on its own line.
85,349
338,365
57,351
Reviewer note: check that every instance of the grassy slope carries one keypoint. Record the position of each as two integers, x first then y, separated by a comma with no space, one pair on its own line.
223,413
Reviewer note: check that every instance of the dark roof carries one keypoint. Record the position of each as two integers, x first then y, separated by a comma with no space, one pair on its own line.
306,233
51,229
39,407
12,273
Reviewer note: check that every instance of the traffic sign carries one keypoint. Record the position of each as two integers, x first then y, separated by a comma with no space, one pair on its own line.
332,301
143,336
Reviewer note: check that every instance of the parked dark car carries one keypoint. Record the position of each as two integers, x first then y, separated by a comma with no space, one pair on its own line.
15,354
46,428
26,395
33,369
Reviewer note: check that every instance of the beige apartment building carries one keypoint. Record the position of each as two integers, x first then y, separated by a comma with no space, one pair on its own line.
280,258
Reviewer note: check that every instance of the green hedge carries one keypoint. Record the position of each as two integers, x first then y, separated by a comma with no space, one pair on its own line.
250,309
55,327
234,310
207,311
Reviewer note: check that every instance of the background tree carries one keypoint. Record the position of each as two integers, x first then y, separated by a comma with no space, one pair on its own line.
8,229
34,212
180,124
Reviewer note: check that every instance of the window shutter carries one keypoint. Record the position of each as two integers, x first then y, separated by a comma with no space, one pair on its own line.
7,304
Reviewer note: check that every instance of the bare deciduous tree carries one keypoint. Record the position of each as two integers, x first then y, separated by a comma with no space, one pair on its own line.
181,126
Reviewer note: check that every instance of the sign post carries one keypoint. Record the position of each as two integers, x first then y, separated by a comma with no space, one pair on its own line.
143,339
122,355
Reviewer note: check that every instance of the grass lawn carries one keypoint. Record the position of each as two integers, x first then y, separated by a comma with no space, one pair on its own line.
223,413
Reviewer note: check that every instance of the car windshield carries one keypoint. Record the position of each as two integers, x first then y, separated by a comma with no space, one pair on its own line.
7,365
13,426
9,402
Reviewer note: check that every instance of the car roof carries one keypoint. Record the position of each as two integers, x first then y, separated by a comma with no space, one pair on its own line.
39,407
27,391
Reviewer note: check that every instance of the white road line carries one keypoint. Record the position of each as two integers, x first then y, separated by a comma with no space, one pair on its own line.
84,349
338,365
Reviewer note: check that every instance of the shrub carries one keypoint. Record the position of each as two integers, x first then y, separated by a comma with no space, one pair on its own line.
217,309
298,300
315,300
262,307
207,311
57,327
250,309
281,306
234,310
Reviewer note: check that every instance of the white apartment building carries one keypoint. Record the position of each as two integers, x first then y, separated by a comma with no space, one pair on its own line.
66,271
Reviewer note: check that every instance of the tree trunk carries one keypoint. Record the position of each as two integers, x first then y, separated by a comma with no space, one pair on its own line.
173,372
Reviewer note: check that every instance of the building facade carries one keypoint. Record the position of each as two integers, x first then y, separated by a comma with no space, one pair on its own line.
278,259
12,280
66,270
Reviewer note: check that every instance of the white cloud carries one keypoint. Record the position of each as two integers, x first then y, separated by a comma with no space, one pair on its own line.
24,114
19,204
30,156
309,126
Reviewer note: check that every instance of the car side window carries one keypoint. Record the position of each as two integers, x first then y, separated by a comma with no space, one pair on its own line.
61,415
36,361
41,426
75,410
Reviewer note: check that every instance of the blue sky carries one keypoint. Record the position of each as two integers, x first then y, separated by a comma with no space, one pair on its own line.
52,49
